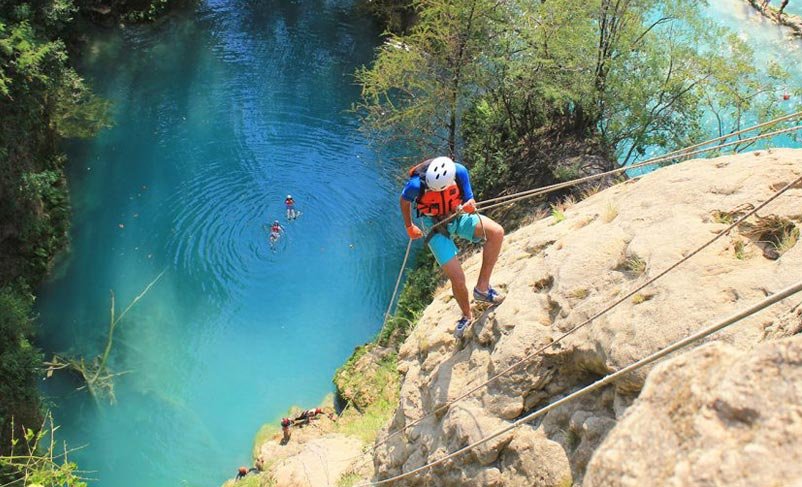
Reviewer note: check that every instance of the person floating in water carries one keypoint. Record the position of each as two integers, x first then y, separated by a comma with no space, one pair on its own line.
440,188
276,231
292,213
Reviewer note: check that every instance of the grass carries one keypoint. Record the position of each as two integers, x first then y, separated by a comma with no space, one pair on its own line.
591,190
610,212
779,232
579,293
641,298
635,265
557,214
261,480
582,222
787,239
367,424
375,392
363,382
739,247
348,479
728,217
558,209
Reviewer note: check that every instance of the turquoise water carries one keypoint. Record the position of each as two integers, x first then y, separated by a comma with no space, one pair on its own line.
772,44
220,113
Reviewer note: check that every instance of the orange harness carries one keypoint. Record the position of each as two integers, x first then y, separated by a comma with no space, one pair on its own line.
435,203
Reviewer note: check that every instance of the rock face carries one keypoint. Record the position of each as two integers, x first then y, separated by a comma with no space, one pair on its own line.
714,416
558,272
315,456
318,462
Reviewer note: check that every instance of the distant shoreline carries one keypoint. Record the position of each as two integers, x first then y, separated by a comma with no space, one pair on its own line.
794,22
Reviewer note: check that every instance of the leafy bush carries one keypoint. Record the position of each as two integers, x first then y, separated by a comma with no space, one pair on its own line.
20,363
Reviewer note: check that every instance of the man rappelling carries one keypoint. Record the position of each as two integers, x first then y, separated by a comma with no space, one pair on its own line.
441,191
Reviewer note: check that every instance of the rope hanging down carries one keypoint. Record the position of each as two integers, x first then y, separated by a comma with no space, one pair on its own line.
790,290
540,350
395,291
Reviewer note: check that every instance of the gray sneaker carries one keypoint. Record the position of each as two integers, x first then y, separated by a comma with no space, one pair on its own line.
462,325
491,296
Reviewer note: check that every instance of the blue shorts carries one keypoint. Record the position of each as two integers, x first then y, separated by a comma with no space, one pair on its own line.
444,248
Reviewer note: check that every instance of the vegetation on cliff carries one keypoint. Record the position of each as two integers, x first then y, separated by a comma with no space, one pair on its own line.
43,101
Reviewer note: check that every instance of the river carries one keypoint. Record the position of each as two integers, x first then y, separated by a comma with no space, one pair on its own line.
219,114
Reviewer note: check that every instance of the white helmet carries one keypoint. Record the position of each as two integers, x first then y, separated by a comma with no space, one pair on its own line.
440,174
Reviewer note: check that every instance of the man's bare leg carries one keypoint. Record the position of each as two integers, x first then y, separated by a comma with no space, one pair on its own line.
495,236
453,270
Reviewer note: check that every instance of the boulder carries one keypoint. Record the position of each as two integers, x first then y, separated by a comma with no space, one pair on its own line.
714,416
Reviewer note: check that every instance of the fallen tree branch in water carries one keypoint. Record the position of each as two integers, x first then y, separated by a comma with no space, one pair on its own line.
95,374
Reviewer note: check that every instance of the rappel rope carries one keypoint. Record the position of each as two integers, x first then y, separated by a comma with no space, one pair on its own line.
793,289
679,153
554,187
397,283
540,350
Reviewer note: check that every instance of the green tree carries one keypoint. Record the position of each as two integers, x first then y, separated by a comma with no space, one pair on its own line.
419,85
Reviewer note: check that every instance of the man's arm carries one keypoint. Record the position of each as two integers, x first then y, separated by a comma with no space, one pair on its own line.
412,230
406,212
464,182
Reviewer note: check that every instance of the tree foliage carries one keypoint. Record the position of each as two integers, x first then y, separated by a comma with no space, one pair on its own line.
416,90
42,100
630,76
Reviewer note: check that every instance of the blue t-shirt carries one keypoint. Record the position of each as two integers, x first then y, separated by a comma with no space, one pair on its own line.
412,189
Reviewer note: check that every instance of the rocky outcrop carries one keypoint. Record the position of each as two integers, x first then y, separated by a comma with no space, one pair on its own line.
317,462
315,456
714,416
562,270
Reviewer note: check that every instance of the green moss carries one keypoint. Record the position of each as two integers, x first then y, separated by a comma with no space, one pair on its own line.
361,382
266,432
348,479
416,295
372,391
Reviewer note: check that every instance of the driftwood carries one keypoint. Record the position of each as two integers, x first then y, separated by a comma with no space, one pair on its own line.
95,374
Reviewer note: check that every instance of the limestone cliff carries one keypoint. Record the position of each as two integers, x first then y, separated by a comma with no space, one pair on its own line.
557,274
700,417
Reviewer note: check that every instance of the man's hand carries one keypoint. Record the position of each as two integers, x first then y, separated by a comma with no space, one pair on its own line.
469,206
414,232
